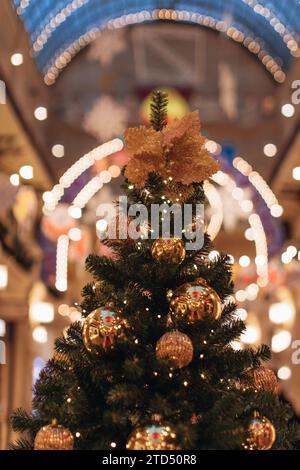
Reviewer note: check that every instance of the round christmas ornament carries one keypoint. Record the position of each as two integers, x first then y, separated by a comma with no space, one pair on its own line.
195,300
262,434
170,251
155,437
100,328
54,437
175,347
261,379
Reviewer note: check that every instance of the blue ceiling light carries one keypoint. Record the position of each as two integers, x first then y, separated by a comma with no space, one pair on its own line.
58,29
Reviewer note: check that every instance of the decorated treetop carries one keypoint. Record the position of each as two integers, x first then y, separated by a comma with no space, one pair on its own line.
175,151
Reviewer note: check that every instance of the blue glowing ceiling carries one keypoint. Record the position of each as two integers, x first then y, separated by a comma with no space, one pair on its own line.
59,28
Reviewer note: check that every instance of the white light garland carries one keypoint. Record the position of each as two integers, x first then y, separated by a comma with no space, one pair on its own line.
276,24
215,202
60,61
61,283
79,167
260,185
261,259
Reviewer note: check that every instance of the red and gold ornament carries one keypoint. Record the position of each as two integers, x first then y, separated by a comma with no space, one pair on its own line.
100,329
154,437
170,251
262,434
195,300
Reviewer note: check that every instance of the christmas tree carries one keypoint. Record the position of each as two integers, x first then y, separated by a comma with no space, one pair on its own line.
152,366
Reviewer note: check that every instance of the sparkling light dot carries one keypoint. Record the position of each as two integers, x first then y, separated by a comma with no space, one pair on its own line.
213,255
241,313
114,170
101,225
17,59
246,205
26,172
75,234
286,258
292,250
240,295
284,373
276,210
288,110
244,261
75,212
281,341
260,260
41,113
270,150
58,150
249,234
48,197
296,173
40,334
14,179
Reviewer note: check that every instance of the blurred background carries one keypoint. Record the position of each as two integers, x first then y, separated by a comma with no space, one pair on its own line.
73,75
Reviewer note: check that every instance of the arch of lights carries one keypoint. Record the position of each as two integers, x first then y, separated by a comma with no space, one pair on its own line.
59,29
215,201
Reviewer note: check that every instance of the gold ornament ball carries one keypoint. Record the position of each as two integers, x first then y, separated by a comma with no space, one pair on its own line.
262,434
170,251
100,328
262,379
54,437
155,437
195,300
175,347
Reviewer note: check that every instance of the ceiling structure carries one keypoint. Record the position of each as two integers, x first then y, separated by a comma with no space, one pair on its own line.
59,29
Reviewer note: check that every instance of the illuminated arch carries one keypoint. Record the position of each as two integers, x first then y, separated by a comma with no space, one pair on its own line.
58,29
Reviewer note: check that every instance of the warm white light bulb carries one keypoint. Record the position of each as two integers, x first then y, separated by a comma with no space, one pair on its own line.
244,261
40,334
284,373
270,150
296,173
17,59
288,110
281,341
14,179
276,210
41,113
26,172
58,150
75,234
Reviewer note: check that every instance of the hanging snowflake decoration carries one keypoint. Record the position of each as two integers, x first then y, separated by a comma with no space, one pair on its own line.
107,46
106,119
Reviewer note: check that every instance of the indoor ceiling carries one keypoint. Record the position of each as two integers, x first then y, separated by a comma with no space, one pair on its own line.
58,29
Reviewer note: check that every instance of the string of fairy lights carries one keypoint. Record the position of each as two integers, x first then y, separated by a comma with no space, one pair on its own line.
253,44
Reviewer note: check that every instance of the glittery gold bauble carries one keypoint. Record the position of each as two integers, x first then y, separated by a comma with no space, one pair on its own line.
262,434
170,251
154,437
175,347
100,328
261,379
194,300
53,437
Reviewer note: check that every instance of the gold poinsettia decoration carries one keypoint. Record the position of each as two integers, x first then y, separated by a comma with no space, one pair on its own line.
176,151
